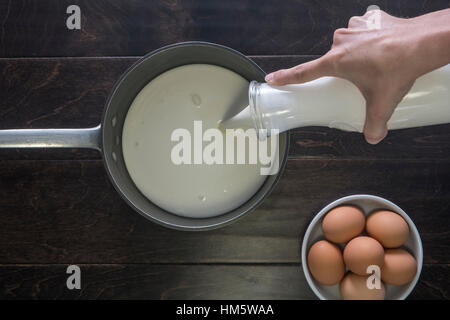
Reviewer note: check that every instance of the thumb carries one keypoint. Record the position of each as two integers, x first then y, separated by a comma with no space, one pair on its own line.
302,73
378,112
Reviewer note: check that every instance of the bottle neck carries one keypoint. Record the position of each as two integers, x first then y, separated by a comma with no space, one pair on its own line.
253,97
259,118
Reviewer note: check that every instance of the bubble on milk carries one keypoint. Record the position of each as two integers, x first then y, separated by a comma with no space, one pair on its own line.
196,100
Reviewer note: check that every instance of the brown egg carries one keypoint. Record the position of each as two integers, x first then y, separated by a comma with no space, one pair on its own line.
399,267
354,287
325,262
362,252
343,223
388,227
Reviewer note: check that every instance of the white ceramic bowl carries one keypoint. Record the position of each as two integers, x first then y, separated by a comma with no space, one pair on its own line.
368,204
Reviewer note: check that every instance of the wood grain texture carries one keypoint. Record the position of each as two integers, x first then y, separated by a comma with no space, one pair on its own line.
71,92
55,211
186,282
63,211
36,28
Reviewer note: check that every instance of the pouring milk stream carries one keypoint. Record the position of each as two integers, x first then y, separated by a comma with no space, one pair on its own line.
337,103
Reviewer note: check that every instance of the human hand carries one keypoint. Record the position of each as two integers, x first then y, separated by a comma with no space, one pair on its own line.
382,60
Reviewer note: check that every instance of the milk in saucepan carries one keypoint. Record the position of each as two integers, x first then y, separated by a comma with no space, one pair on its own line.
175,99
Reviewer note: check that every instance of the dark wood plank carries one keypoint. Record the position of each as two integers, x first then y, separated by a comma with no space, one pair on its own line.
56,93
186,282
37,28
71,92
63,211
156,282
432,142
433,283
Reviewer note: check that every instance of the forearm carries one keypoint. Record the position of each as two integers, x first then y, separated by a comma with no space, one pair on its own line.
432,33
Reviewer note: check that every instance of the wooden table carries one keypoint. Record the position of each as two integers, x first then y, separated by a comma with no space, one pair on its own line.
58,208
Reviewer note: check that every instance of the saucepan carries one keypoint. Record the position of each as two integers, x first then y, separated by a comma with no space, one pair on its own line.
106,137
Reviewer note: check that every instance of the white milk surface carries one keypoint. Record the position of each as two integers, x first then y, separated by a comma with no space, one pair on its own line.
174,100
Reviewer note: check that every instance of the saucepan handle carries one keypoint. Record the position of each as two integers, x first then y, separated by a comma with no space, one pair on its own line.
51,138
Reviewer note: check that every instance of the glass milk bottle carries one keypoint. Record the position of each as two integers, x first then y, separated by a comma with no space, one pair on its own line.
337,103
